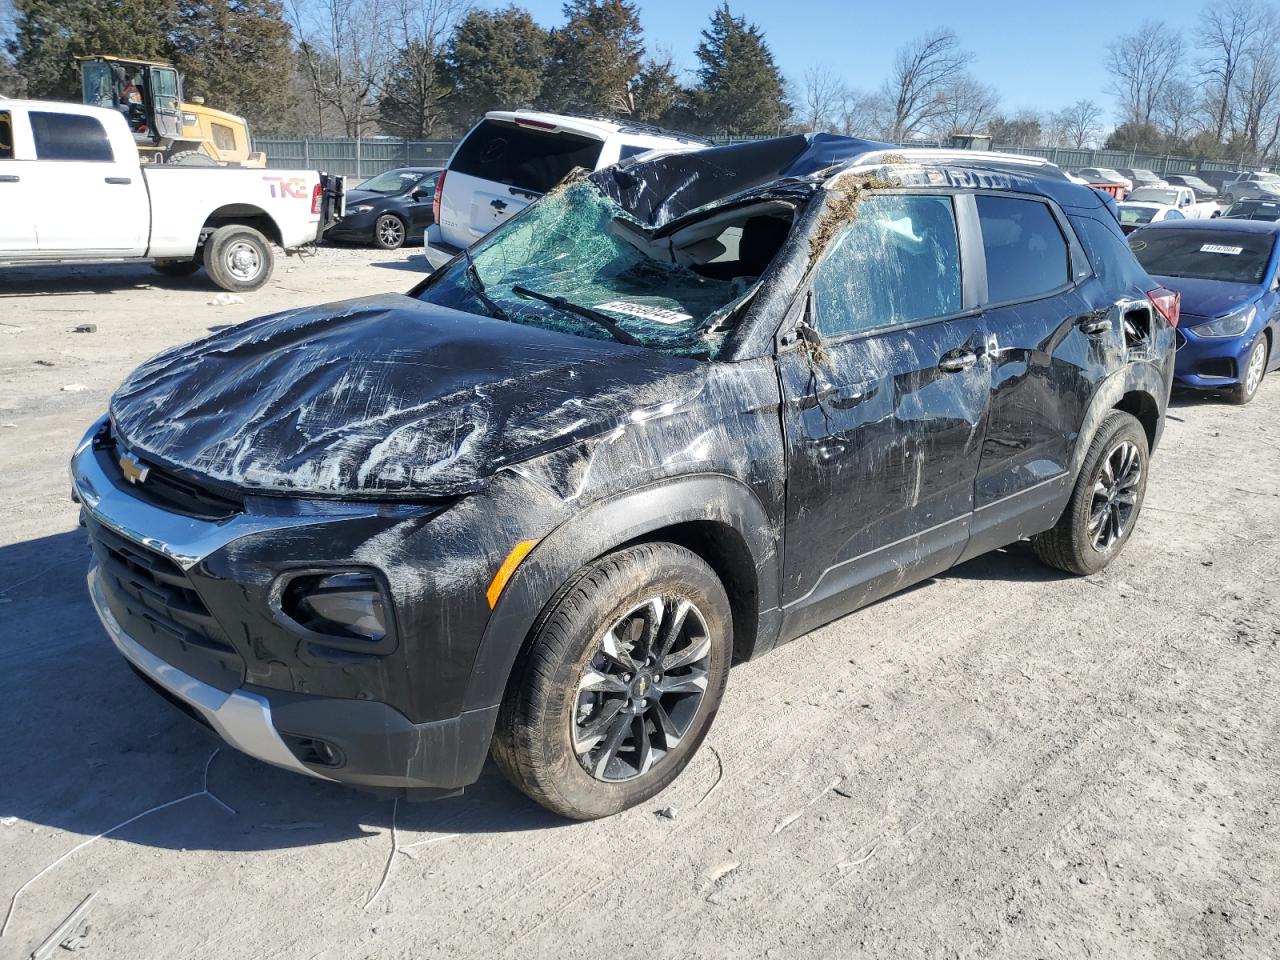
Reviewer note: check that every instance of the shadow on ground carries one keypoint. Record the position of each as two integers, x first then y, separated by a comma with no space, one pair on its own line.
88,745
58,280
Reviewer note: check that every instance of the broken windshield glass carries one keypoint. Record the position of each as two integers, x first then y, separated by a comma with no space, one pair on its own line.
578,249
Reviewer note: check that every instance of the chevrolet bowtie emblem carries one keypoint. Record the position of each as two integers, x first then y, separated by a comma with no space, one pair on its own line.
134,470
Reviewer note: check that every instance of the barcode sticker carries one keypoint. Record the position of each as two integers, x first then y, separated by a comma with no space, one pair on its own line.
1219,248
645,312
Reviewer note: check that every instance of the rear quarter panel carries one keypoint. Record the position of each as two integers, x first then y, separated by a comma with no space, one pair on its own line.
184,198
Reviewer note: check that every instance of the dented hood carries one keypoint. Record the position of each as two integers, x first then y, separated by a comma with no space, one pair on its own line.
383,395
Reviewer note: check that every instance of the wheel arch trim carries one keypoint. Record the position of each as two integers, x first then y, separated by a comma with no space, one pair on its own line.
633,517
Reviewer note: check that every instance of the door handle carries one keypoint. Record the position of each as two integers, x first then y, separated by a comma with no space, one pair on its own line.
957,360
119,181
9,178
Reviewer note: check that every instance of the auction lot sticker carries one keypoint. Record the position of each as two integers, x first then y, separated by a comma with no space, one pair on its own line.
645,312
1219,248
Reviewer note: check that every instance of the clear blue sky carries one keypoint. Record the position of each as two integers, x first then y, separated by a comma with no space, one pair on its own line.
1041,54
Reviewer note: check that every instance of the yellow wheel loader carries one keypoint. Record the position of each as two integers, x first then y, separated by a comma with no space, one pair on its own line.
165,128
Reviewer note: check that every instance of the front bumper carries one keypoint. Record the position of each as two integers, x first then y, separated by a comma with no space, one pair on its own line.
1210,363
354,738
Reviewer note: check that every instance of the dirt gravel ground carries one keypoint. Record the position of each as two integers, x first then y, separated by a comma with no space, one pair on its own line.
1002,762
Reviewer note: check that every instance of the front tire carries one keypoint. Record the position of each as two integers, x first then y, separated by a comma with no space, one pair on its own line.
389,232
1106,501
238,258
1255,368
621,684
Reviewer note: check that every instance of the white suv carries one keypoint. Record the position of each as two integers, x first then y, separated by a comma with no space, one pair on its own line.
509,159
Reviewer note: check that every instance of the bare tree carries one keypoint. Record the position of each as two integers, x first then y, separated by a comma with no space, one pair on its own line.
1258,87
819,100
344,51
1226,31
861,114
1077,126
1142,65
412,90
922,71
966,106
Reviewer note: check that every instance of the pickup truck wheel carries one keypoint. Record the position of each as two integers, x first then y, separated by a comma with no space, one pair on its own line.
623,679
389,232
238,258
1106,501
175,268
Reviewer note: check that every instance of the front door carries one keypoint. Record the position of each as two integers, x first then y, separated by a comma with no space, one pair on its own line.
17,202
884,419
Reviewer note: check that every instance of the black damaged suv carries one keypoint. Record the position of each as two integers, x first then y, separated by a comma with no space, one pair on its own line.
671,416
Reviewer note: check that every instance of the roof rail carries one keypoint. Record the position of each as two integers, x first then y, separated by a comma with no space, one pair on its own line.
978,158
639,126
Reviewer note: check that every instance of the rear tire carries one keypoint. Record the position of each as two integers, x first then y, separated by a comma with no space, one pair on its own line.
626,670
1106,501
238,258
176,268
1255,368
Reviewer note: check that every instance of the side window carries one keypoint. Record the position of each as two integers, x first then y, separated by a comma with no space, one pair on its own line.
1175,215
1026,252
69,136
6,136
629,150
898,261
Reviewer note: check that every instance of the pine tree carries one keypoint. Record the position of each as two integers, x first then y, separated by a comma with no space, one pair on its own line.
740,89
494,62
238,55
594,58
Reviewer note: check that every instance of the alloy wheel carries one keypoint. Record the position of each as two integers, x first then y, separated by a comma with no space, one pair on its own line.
642,689
1257,364
1115,496
390,231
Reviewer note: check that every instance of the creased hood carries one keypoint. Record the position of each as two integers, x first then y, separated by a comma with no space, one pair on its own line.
1210,298
383,395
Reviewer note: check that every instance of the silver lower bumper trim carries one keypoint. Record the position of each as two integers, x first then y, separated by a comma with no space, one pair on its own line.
241,718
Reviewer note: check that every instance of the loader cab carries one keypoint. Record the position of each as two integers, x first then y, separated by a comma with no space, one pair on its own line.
148,94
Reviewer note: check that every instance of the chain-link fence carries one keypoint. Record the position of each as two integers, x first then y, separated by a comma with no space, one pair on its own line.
367,157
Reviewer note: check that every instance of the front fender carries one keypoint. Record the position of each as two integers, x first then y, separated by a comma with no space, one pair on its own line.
604,526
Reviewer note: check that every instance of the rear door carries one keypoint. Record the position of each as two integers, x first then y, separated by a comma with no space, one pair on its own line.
1050,345
17,203
500,168
884,422
89,201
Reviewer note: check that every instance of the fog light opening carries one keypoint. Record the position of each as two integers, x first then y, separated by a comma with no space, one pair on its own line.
319,753
348,606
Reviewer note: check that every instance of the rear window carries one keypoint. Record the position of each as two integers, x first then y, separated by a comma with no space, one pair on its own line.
1204,254
534,160
6,136
1129,215
1026,252
69,136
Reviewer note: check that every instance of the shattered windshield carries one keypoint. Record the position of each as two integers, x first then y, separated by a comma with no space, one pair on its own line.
576,262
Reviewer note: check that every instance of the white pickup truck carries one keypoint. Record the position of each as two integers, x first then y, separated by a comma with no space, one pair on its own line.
1182,199
72,189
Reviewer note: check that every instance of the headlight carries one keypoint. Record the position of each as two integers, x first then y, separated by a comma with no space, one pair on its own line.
344,607
1232,325
362,208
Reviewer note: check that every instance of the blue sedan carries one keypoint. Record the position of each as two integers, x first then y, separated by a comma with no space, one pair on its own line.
1226,272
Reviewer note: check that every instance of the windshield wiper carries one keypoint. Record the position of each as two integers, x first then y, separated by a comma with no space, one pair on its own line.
477,287
595,316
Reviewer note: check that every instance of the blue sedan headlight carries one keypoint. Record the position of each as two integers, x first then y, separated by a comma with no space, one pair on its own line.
1232,325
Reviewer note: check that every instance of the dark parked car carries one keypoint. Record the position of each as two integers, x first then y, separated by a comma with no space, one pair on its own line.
389,209
1260,188
1202,190
1253,210
1226,273
635,434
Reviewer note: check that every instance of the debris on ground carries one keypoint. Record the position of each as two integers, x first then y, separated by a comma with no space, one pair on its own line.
85,328
44,363
8,821
225,300
74,387
667,813
69,934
